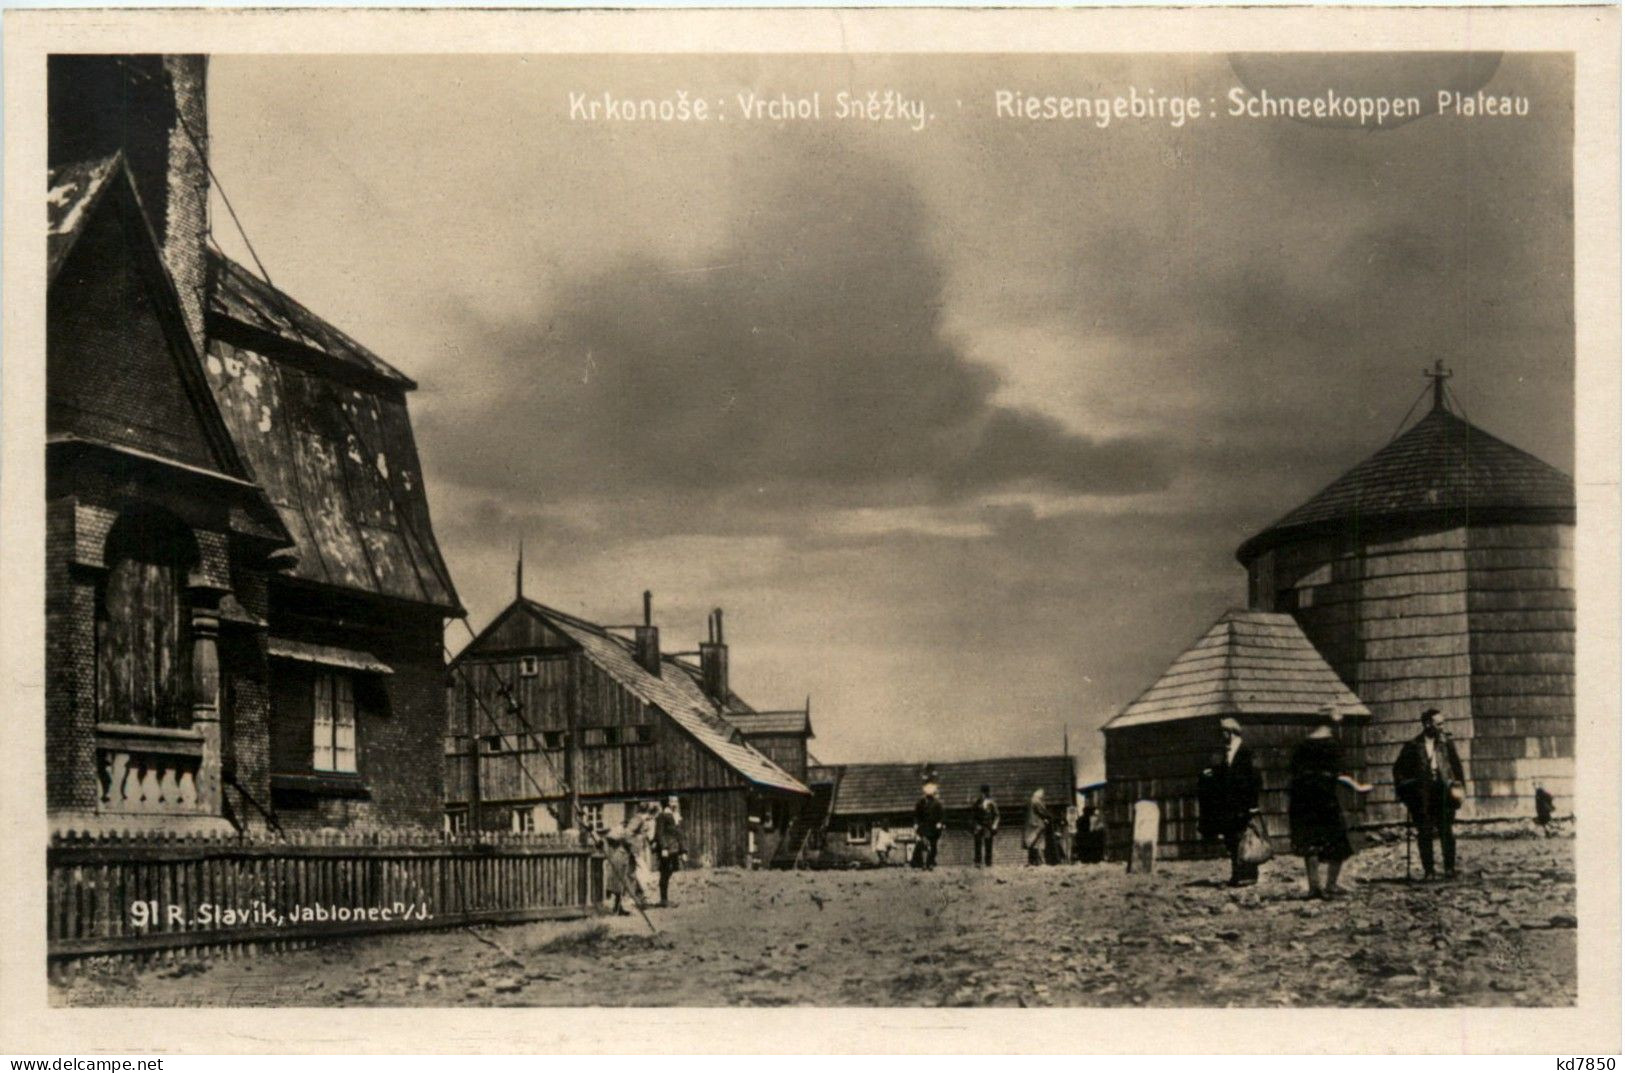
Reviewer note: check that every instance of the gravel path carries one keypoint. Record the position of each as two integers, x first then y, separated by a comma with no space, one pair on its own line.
1082,935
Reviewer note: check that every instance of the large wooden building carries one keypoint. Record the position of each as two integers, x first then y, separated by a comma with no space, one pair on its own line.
244,599
1255,667
1439,572
866,799
556,722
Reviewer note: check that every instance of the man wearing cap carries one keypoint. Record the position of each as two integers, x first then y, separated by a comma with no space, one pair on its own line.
1428,778
1235,795
929,820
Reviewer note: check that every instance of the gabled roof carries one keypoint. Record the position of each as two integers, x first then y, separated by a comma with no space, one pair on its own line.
239,295
872,789
1441,463
676,694
1248,663
79,193
325,425
790,722
71,194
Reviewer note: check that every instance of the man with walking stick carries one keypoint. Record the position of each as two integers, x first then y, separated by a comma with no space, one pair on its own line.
1428,778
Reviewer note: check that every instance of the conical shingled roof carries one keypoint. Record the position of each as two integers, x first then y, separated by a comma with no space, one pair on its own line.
1248,663
1441,463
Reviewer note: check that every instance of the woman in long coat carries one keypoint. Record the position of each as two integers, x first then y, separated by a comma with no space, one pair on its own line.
1319,830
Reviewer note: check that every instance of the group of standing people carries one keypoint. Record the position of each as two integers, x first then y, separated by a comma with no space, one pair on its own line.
1039,835
1428,779
648,845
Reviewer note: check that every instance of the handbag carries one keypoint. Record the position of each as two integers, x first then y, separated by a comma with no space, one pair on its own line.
1255,845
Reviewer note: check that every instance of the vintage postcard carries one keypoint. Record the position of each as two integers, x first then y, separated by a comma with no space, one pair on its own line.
1067,513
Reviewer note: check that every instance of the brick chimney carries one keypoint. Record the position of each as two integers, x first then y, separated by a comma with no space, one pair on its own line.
646,639
714,660
154,110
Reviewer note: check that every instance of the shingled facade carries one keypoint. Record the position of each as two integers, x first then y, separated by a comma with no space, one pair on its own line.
244,595
1255,667
1439,572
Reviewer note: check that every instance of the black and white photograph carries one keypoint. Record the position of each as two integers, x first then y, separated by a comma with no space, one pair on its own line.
812,528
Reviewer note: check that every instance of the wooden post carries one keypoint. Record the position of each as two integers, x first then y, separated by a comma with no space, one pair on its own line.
475,809
1147,819
206,694
572,719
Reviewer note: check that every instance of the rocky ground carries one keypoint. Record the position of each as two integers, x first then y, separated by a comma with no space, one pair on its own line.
1080,935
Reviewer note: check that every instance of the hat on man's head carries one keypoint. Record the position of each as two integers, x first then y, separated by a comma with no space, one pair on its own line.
986,789
1428,713
1230,724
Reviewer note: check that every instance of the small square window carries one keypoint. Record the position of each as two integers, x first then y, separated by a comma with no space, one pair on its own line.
643,734
456,822
591,817
857,833
555,740
524,820
527,666
492,743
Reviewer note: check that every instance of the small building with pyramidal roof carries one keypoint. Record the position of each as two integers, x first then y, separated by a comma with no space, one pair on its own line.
1439,573
1255,667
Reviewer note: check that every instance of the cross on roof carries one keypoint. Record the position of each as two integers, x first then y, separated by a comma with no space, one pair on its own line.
1438,374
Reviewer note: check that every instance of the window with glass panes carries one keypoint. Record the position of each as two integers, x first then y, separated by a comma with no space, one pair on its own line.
333,742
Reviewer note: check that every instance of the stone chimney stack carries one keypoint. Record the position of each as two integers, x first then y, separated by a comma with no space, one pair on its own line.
153,109
714,661
646,639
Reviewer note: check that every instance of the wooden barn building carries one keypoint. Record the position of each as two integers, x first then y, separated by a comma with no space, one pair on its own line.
1253,666
866,799
559,722
244,598
1439,572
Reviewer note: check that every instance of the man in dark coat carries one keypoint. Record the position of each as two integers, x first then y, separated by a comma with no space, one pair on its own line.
985,818
1428,778
668,845
1232,793
929,820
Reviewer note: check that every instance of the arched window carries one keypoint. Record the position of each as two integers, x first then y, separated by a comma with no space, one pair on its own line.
143,622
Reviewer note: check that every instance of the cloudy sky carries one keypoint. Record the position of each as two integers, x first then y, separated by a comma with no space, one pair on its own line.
962,425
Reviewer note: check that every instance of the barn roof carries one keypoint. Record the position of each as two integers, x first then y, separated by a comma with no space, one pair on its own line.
870,789
678,695
325,428
751,722
239,295
1247,663
1441,463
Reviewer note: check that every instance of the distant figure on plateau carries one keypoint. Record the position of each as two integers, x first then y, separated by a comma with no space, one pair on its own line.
884,844
620,859
669,845
640,836
1428,778
1229,798
986,818
1034,837
929,820
1319,831
1545,805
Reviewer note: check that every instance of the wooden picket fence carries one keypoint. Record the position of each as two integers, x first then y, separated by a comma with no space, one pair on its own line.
135,895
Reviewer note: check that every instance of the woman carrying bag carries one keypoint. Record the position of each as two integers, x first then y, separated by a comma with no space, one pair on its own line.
1233,791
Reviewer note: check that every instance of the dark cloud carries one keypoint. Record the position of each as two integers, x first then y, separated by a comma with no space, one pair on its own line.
736,367
806,352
